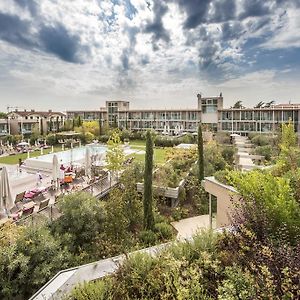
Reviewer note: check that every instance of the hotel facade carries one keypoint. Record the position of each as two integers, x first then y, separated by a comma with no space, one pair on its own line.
209,111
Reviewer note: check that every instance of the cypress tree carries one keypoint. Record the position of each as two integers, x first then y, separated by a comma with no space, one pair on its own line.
100,125
42,127
148,197
57,124
200,154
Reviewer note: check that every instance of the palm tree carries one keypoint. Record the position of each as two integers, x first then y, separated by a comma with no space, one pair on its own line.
269,104
259,104
238,104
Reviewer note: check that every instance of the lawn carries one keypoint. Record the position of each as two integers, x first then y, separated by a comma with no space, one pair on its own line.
14,159
159,155
137,143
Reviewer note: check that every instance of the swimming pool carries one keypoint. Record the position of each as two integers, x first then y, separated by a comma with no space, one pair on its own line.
76,155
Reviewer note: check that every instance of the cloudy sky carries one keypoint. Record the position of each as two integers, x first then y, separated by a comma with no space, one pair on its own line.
73,54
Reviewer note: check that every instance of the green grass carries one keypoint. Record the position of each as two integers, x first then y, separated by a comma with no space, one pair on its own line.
159,155
14,159
137,143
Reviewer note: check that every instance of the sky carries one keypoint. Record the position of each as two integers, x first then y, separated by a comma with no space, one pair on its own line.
76,54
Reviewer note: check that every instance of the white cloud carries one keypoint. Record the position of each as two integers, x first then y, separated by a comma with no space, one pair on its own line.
289,34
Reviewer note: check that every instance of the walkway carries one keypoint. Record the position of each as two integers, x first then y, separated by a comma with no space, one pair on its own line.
190,226
244,157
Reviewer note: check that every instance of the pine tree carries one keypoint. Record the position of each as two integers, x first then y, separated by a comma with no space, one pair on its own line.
200,154
148,197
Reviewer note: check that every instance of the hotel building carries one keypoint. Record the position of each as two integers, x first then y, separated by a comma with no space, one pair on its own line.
209,111
27,121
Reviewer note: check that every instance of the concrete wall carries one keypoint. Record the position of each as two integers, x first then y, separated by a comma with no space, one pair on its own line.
226,196
209,118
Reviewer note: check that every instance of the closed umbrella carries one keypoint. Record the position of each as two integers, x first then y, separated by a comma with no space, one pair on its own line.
88,162
55,170
6,200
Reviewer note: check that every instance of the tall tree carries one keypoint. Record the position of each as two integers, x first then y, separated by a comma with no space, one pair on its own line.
148,195
269,104
238,104
79,121
200,154
57,124
115,154
259,104
42,127
100,125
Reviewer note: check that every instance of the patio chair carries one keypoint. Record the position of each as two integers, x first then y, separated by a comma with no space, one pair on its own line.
19,197
15,213
27,212
43,204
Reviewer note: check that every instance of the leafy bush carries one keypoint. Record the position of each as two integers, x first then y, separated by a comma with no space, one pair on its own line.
81,220
28,262
90,290
223,176
260,140
265,151
166,141
237,285
228,154
51,139
213,159
103,138
164,231
271,199
148,237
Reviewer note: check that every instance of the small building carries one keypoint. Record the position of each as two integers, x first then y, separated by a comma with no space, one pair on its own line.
26,122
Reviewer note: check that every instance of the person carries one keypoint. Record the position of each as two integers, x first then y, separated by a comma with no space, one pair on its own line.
39,178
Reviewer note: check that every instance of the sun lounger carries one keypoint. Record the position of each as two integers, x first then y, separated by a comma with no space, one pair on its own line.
43,204
28,212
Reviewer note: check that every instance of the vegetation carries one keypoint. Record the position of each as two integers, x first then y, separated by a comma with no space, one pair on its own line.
179,162
257,259
200,154
115,155
148,196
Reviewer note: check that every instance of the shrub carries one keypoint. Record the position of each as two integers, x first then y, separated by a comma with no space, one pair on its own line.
103,138
90,290
27,263
260,140
223,176
51,139
237,285
81,220
148,237
166,142
265,151
164,230
228,154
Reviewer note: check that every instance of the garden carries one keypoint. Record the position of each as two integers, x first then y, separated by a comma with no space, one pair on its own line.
258,258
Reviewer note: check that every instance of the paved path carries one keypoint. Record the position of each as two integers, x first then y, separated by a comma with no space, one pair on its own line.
186,228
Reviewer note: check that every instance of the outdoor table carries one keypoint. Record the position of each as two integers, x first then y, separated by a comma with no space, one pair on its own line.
28,205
